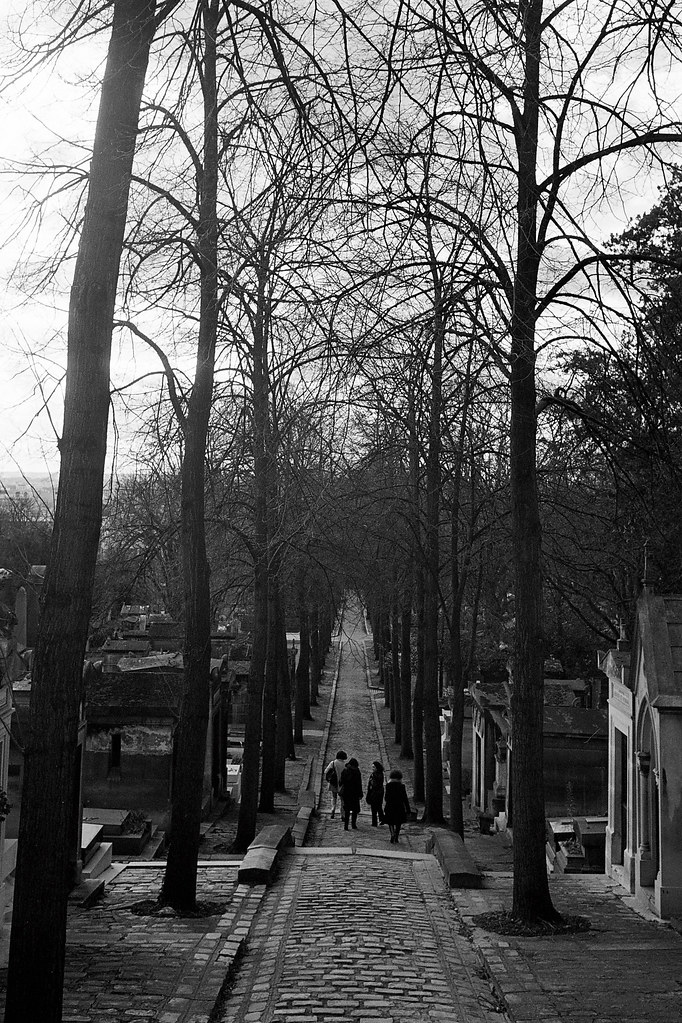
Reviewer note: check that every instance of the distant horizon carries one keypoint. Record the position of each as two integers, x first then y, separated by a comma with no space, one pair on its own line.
21,474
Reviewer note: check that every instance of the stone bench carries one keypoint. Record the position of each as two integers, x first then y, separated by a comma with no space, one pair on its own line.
456,862
258,865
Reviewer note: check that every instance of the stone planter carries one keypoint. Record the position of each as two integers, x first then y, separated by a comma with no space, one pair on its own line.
131,843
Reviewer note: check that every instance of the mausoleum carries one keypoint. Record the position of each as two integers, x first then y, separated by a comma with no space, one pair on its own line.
643,847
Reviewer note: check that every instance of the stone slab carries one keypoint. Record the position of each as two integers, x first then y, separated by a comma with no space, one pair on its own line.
90,836
591,831
456,862
258,866
274,836
112,820
98,861
560,829
320,850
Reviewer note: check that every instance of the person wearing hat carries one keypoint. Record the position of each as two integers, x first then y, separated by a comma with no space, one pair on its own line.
375,793
350,790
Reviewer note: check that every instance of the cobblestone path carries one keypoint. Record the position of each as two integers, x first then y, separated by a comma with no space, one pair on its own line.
354,729
354,929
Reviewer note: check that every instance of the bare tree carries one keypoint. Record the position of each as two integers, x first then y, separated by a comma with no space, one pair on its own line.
49,826
179,883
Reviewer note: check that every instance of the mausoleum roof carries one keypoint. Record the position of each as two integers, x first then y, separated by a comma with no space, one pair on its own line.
576,721
659,621
133,694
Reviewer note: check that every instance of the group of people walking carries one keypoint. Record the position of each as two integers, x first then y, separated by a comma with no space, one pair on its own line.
387,799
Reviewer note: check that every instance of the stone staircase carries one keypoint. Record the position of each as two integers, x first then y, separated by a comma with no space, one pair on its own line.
106,849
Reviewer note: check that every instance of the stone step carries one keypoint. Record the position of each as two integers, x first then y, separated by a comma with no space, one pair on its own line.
87,893
98,861
155,845
112,871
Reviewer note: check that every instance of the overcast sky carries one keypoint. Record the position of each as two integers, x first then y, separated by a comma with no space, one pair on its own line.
36,114
37,118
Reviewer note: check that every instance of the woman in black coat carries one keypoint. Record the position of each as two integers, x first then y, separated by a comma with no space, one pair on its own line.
397,805
350,789
375,793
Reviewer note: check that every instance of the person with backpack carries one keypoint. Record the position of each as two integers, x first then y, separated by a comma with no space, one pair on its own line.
375,793
350,789
396,805
333,777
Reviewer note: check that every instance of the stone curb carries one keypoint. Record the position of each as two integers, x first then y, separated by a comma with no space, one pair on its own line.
306,795
300,828
218,976
383,752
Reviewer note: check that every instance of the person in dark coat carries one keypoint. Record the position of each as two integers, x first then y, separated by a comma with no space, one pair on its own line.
350,789
396,804
375,793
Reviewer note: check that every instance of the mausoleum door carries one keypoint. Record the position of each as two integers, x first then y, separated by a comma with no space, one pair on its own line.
622,809
655,814
648,807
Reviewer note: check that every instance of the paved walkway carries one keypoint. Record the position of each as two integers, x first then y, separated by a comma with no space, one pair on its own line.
356,728
120,966
354,929
358,937
625,969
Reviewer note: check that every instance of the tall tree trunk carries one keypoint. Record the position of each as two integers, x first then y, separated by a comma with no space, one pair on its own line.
179,884
284,740
329,619
303,666
268,769
315,654
433,810
385,657
395,671
456,703
260,380
48,834
246,824
406,674
458,580
418,700
381,667
372,614
531,898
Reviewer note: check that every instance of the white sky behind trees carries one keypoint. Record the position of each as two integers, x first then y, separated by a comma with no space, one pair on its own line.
49,116
46,116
